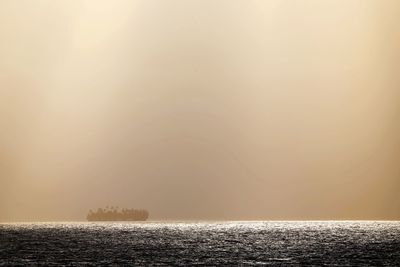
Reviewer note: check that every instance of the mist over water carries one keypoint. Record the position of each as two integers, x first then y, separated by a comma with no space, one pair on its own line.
208,118
231,110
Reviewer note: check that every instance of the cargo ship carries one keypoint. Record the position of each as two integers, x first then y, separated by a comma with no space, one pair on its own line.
113,214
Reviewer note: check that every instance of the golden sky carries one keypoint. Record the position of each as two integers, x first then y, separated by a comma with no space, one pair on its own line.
200,109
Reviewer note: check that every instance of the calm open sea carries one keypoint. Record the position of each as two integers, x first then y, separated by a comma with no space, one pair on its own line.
208,243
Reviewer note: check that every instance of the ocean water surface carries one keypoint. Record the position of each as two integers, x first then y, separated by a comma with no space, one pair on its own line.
330,243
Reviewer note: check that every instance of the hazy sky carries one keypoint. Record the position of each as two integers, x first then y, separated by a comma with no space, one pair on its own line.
280,109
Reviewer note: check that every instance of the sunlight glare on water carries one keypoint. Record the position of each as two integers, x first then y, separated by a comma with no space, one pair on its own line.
333,243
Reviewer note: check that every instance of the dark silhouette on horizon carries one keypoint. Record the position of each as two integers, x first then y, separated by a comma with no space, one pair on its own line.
113,214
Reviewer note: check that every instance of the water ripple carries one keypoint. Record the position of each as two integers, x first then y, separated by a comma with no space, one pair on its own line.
333,243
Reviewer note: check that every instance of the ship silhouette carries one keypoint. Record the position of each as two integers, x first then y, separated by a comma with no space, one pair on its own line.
113,214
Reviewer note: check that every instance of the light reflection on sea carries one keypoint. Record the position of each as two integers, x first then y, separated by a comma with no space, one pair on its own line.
330,243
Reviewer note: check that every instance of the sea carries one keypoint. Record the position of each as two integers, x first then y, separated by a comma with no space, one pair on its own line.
260,243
